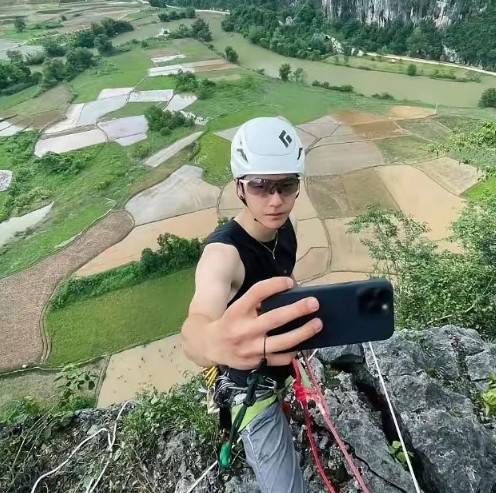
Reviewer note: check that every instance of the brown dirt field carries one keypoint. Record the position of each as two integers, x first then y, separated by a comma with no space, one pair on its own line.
455,177
337,277
228,198
303,208
41,120
410,112
364,187
329,196
194,225
342,158
310,234
378,130
422,198
216,66
348,253
306,139
354,117
322,127
315,262
343,134
21,341
160,364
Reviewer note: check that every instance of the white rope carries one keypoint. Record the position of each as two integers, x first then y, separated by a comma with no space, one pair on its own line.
312,355
200,479
110,445
417,489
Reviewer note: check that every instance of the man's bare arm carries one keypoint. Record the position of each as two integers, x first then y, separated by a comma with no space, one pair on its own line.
213,279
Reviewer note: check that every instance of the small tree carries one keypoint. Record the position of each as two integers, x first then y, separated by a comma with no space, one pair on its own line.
19,24
298,76
104,45
412,69
285,71
231,55
488,98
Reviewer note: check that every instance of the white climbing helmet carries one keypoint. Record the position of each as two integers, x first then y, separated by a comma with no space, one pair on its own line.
267,146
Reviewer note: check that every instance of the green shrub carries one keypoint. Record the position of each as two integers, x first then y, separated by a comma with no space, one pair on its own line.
159,412
158,119
488,98
173,254
62,164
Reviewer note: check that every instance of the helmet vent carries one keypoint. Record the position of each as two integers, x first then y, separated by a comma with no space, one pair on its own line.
242,153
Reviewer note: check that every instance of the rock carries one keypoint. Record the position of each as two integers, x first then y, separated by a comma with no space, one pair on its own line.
242,485
318,369
341,355
453,450
480,366
432,377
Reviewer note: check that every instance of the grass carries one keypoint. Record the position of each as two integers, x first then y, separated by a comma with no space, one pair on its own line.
56,98
213,157
121,319
236,101
123,70
483,189
39,384
131,109
382,64
425,128
7,102
154,83
404,149
109,179
156,141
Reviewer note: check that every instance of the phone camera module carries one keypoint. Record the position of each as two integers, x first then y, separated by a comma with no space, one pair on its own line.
374,301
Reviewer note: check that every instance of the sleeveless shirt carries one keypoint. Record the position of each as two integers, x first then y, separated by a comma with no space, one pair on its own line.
259,265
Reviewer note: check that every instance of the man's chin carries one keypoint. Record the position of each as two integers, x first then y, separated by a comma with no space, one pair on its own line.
274,221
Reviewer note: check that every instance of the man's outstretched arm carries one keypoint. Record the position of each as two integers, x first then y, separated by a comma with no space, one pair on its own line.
213,279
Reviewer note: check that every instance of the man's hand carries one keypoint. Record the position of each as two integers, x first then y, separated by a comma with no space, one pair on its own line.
237,338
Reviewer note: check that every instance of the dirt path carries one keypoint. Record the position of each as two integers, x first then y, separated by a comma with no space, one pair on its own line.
23,296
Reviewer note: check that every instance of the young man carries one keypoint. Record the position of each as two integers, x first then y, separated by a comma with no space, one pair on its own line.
246,260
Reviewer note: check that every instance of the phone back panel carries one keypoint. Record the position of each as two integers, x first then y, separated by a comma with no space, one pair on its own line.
351,312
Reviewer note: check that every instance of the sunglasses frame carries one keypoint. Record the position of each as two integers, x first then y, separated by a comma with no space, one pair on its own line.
273,187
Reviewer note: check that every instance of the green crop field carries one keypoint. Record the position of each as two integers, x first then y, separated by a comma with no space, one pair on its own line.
125,318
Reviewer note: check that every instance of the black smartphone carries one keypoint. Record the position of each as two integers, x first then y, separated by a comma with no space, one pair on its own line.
351,312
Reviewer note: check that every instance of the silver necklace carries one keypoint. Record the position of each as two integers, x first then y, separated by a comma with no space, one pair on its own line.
273,251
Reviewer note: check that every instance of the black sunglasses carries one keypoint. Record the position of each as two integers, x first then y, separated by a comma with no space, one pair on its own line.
263,186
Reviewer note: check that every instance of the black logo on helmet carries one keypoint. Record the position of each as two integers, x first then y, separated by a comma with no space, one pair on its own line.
285,138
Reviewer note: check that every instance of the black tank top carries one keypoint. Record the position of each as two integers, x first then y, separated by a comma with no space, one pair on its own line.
259,265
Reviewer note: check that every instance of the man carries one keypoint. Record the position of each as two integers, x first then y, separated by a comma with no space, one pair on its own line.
246,260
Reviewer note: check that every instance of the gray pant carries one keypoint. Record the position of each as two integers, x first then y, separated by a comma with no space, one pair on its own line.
270,451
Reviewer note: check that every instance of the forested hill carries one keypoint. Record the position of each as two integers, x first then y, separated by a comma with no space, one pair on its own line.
462,31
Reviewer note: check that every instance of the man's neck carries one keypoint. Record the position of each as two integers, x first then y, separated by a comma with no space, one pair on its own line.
254,228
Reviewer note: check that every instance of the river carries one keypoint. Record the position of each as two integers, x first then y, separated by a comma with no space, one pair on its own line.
422,89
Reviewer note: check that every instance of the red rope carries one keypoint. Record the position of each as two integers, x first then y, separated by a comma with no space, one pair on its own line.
302,395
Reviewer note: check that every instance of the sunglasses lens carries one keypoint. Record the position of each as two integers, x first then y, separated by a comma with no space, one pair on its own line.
289,186
260,186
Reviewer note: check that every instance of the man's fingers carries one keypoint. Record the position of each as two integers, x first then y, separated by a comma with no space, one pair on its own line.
284,314
284,342
260,291
280,359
